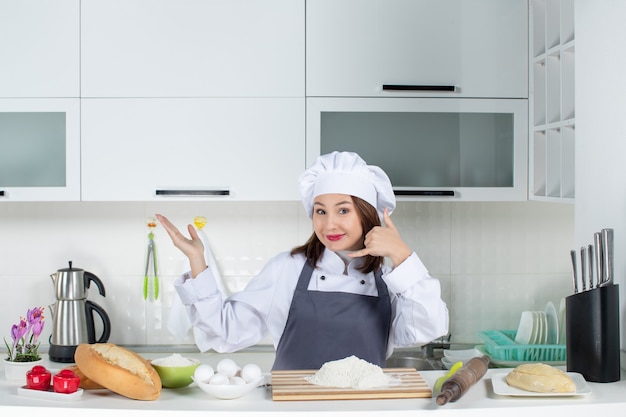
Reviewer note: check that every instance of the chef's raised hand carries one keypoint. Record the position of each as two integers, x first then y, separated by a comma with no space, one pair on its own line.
384,240
191,248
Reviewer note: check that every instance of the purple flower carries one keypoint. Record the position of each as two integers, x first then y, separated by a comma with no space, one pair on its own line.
19,330
35,320
24,335
35,315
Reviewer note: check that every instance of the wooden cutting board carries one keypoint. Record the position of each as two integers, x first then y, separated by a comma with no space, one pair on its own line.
293,386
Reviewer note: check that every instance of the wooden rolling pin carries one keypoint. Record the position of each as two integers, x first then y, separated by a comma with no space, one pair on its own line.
462,380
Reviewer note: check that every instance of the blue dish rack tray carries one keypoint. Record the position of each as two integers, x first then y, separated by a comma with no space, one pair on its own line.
501,346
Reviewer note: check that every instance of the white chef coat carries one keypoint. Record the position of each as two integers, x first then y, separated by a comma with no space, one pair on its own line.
419,315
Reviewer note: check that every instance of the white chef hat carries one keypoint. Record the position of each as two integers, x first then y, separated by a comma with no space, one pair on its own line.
346,173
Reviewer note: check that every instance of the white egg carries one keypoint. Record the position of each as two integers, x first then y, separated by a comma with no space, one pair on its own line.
219,379
227,367
236,380
203,373
251,372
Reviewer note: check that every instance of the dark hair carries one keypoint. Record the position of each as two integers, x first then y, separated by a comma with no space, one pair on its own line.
313,248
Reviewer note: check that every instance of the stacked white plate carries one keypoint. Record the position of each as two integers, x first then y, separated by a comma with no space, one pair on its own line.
450,356
538,327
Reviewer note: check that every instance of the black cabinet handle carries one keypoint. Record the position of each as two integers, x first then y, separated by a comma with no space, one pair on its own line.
425,193
1,193
404,87
197,193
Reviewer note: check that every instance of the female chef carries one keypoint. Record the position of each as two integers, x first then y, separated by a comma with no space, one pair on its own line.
332,297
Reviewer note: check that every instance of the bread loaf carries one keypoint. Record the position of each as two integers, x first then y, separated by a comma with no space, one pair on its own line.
119,370
539,377
85,383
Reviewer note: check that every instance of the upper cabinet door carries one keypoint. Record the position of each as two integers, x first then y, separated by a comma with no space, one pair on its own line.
479,48
39,48
193,148
192,48
432,148
40,149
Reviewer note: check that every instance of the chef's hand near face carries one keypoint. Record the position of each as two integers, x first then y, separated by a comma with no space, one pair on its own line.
191,248
385,241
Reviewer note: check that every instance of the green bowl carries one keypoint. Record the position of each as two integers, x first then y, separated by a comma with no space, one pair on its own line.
175,376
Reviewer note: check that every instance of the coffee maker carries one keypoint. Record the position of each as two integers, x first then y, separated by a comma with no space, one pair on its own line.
73,314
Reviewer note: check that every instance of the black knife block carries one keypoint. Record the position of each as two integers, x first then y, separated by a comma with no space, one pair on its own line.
592,334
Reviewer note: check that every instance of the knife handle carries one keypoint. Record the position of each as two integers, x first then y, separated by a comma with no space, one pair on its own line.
599,258
607,243
590,265
583,267
574,269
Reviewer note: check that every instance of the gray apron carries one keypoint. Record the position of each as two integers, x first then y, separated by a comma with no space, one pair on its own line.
324,326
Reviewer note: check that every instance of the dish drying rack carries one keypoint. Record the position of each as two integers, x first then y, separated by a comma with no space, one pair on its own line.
501,345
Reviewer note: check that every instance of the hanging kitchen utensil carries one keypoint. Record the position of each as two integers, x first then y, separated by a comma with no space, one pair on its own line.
151,223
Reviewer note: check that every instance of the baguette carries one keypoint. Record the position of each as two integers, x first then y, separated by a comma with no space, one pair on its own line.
119,370
85,383
539,377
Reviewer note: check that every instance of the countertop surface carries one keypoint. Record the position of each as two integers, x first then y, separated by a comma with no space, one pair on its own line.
189,401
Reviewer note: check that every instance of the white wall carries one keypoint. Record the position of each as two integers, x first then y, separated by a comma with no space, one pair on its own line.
493,259
600,128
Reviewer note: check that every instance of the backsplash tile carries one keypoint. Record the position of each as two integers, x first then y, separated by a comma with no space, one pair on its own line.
494,260
425,227
511,238
485,302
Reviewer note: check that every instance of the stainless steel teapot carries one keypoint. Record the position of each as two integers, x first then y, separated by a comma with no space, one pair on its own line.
73,314
73,283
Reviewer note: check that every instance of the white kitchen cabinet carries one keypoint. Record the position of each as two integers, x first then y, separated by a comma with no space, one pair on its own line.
478,47
181,149
192,48
39,48
433,149
551,101
40,149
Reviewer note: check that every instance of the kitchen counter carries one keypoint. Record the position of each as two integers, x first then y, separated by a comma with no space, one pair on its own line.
609,399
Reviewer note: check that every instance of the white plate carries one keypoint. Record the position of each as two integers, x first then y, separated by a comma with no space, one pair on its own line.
462,354
525,328
49,395
536,333
542,328
553,324
500,387
449,362
538,329
228,392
